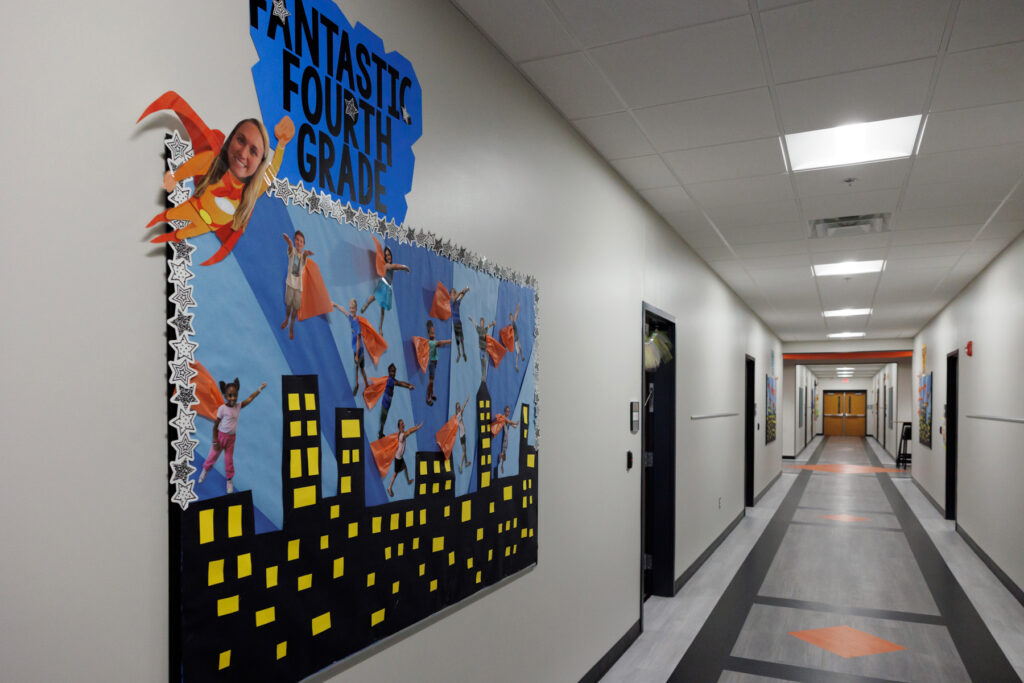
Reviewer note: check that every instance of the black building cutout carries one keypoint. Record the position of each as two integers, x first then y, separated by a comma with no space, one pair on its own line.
339,576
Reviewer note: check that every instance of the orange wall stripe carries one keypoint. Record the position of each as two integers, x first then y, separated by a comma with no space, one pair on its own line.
850,355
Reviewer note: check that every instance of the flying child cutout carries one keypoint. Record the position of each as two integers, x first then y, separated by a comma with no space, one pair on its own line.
230,175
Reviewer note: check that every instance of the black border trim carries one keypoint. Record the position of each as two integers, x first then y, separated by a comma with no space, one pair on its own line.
605,663
927,495
1014,589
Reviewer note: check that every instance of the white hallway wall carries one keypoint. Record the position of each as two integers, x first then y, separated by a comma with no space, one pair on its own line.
990,472
83,493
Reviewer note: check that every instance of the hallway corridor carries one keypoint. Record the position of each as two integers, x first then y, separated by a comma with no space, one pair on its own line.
844,583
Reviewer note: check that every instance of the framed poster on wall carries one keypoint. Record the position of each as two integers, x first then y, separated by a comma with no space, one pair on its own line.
352,401
924,410
771,410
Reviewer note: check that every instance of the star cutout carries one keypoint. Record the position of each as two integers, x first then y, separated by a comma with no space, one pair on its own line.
182,322
280,11
326,205
186,395
183,495
183,296
350,214
338,211
181,470
185,448
363,221
351,109
179,194
180,274
181,371
178,224
185,422
299,194
282,189
183,348
410,236
405,115
178,148
312,203
182,251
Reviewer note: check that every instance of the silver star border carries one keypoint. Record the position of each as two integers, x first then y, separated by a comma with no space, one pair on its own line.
181,470
183,494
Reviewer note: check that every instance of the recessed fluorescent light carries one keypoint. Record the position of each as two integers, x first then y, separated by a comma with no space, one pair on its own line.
845,335
855,143
845,369
846,312
847,268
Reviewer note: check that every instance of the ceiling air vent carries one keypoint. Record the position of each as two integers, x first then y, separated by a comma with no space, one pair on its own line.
849,226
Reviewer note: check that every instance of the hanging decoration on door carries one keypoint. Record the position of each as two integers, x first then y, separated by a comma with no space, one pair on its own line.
924,410
770,413
354,406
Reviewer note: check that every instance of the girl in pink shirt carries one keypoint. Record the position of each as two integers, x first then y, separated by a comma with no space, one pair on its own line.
224,431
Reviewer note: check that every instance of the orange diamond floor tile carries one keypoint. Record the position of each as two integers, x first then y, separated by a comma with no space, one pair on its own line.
839,468
846,641
846,518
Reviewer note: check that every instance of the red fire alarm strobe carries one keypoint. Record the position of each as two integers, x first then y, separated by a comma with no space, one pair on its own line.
970,348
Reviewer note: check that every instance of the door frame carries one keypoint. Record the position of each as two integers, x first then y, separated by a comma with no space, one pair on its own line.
951,408
657,480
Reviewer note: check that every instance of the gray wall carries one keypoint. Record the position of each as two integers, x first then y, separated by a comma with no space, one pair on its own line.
84,509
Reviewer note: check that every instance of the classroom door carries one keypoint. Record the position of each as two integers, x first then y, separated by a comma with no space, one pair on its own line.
856,413
832,410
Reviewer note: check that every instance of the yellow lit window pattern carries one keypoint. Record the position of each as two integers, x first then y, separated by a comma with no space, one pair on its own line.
423,516
416,543
293,549
346,457
447,510
311,427
394,587
353,529
485,479
423,466
264,616
325,542
295,463
321,623
244,565
313,460
293,402
438,543
387,553
271,576
235,521
345,485
355,455
396,520
371,579
507,493
205,526
295,428
451,558
224,660
339,567
305,581
433,585
350,429
335,511
467,510
282,649
423,569
401,549
436,487
305,496
227,605
410,518
480,534
215,572
377,617
376,525
485,443
310,402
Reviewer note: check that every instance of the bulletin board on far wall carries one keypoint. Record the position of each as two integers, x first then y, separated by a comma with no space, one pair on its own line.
771,412
352,401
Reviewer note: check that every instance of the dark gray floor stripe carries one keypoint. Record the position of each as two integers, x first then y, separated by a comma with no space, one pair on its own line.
848,525
891,615
981,655
709,652
837,511
788,672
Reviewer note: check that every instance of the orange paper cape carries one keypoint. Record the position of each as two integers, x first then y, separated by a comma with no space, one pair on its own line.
422,348
315,300
207,392
200,135
495,350
446,436
508,338
442,306
384,451
497,423
373,392
381,264
372,341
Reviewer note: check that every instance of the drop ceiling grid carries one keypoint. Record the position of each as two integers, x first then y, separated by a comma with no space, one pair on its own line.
704,150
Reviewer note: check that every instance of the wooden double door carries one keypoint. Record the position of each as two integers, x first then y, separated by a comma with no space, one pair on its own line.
845,413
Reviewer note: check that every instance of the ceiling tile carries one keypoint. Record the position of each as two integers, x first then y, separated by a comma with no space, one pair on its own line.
996,230
850,204
574,85
998,124
918,251
758,215
882,175
833,36
757,190
869,95
906,238
713,253
668,199
1012,211
987,22
596,23
615,136
762,233
709,121
726,162
700,238
988,76
523,29
646,172
1001,165
759,263
973,214
686,220
771,249
856,248
954,194
659,69
841,292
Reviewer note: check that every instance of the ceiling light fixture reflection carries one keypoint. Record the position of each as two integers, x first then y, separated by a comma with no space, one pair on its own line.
846,312
855,143
847,268
846,335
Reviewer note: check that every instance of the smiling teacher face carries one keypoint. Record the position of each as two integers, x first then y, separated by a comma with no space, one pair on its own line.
245,151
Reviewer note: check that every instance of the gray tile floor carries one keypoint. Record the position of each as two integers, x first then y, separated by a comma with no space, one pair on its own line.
837,549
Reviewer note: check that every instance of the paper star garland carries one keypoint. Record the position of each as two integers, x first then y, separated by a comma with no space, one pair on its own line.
179,149
182,251
185,422
280,11
351,110
183,348
186,395
181,470
182,297
182,323
181,371
180,274
185,448
183,495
